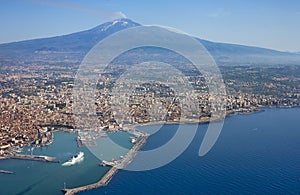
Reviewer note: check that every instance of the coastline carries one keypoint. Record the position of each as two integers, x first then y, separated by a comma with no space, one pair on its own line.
257,127
104,180
208,120
111,173
203,120
133,127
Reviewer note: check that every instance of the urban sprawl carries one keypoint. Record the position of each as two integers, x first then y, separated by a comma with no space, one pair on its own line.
35,100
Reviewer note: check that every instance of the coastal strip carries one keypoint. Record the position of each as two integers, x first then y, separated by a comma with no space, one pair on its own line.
114,169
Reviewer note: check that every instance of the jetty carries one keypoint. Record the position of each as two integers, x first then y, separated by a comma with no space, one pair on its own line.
112,171
34,157
6,172
132,152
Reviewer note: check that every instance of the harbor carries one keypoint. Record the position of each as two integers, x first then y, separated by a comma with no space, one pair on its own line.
62,150
40,172
120,164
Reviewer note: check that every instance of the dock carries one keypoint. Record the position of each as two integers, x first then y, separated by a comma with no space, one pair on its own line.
114,169
34,158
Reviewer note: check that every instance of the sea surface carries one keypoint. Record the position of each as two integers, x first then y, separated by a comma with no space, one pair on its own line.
255,154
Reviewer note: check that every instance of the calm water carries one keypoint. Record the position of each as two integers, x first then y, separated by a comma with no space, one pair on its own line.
32,177
255,154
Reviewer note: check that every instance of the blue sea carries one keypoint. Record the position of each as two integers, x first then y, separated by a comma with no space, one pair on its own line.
255,154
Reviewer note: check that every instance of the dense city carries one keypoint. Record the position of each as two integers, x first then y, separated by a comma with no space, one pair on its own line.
36,100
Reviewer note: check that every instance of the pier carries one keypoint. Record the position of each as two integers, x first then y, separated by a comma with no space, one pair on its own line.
132,152
34,157
114,169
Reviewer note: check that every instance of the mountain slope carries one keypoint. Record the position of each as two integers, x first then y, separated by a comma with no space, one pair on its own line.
74,46
234,54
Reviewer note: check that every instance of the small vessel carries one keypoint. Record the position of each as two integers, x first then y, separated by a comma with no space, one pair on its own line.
18,150
133,140
75,159
109,163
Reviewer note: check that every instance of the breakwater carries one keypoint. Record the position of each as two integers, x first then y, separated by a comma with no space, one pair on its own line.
34,157
114,169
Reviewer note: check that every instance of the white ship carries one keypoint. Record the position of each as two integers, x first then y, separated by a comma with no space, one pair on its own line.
133,140
75,159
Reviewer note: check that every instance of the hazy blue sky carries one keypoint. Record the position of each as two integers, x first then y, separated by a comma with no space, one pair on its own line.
266,23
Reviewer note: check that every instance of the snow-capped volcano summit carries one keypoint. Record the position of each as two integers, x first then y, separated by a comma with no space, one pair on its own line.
118,24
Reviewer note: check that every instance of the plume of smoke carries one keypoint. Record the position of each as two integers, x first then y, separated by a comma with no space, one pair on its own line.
121,15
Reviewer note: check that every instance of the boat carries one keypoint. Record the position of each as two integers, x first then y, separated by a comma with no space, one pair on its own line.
133,140
75,159
109,163
18,150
